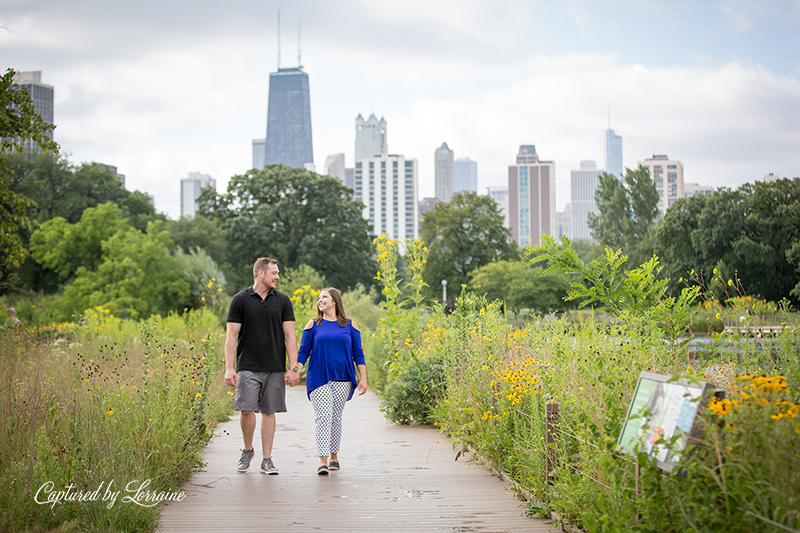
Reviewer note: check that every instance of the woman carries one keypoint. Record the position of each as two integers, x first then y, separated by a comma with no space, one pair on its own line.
331,343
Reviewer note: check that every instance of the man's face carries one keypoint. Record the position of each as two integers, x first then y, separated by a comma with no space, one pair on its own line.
270,277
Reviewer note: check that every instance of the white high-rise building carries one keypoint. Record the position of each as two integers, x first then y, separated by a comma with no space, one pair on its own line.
191,188
613,153
443,173
334,166
465,175
387,184
694,189
668,175
259,147
583,185
499,194
531,197
371,137
563,223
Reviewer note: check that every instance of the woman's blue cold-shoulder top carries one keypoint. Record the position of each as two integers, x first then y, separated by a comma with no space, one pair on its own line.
332,351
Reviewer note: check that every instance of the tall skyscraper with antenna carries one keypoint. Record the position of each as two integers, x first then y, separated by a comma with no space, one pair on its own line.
289,114
613,150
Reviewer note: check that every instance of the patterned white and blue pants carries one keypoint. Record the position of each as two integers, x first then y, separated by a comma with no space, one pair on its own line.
328,401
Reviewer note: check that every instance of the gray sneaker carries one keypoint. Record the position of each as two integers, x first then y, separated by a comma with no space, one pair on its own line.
244,462
268,467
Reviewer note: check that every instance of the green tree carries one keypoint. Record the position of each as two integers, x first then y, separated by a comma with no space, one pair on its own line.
750,234
673,242
296,216
463,235
137,277
522,286
61,189
18,121
627,210
494,280
200,232
64,248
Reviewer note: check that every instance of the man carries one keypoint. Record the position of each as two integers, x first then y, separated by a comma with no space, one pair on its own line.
260,331
12,319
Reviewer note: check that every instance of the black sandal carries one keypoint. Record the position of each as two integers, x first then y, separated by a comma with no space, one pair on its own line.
333,465
322,470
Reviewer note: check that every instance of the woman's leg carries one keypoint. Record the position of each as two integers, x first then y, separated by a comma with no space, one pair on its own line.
339,392
322,400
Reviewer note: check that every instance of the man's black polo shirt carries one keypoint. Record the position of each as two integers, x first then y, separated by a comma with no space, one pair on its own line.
261,346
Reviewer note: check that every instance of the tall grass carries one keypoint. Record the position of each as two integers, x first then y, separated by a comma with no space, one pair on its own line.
104,401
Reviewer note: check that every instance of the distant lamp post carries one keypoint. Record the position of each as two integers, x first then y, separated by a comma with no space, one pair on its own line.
444,290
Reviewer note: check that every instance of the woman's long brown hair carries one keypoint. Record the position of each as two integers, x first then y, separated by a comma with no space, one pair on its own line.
338,305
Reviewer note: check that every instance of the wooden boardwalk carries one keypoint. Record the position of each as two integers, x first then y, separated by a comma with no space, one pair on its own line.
393,478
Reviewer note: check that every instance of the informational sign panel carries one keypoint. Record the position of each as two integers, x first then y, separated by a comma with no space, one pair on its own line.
661,418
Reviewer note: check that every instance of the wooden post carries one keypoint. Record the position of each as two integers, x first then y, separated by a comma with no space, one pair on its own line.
551,409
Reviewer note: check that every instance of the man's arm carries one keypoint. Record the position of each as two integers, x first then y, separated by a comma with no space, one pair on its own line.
290,337
231,336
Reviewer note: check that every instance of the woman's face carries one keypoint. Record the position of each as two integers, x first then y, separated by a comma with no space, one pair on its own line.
325,302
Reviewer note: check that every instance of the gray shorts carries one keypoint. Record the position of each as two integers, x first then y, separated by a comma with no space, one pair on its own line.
262,392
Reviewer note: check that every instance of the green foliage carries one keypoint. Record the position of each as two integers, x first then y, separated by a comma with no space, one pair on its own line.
498,380
205,279
64,247
295,278
751,233
201,232
521,286
627,210
416,385
61,189
18,122
463,235
105,400
360,305
297,217
136,278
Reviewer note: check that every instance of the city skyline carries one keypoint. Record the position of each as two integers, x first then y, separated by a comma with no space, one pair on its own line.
725,97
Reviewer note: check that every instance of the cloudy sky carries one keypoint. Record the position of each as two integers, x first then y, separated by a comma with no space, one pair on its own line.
164,88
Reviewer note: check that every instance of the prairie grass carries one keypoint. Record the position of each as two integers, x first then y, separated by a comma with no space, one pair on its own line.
105,401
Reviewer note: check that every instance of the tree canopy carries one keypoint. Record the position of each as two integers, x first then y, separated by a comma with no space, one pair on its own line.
463,235
751,234
627,210
297,217
522,286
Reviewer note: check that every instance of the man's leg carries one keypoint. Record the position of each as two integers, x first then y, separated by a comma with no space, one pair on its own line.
247,420
267,432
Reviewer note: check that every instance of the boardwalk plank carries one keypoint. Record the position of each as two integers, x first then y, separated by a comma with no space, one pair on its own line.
393,478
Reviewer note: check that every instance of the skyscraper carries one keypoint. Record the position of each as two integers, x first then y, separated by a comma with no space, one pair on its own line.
465,175
613,153
443,173
371,137
259,151
191,188
531,197
583,185
668,175
42,97
387,184
289,119
563,227
334,166
500,195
